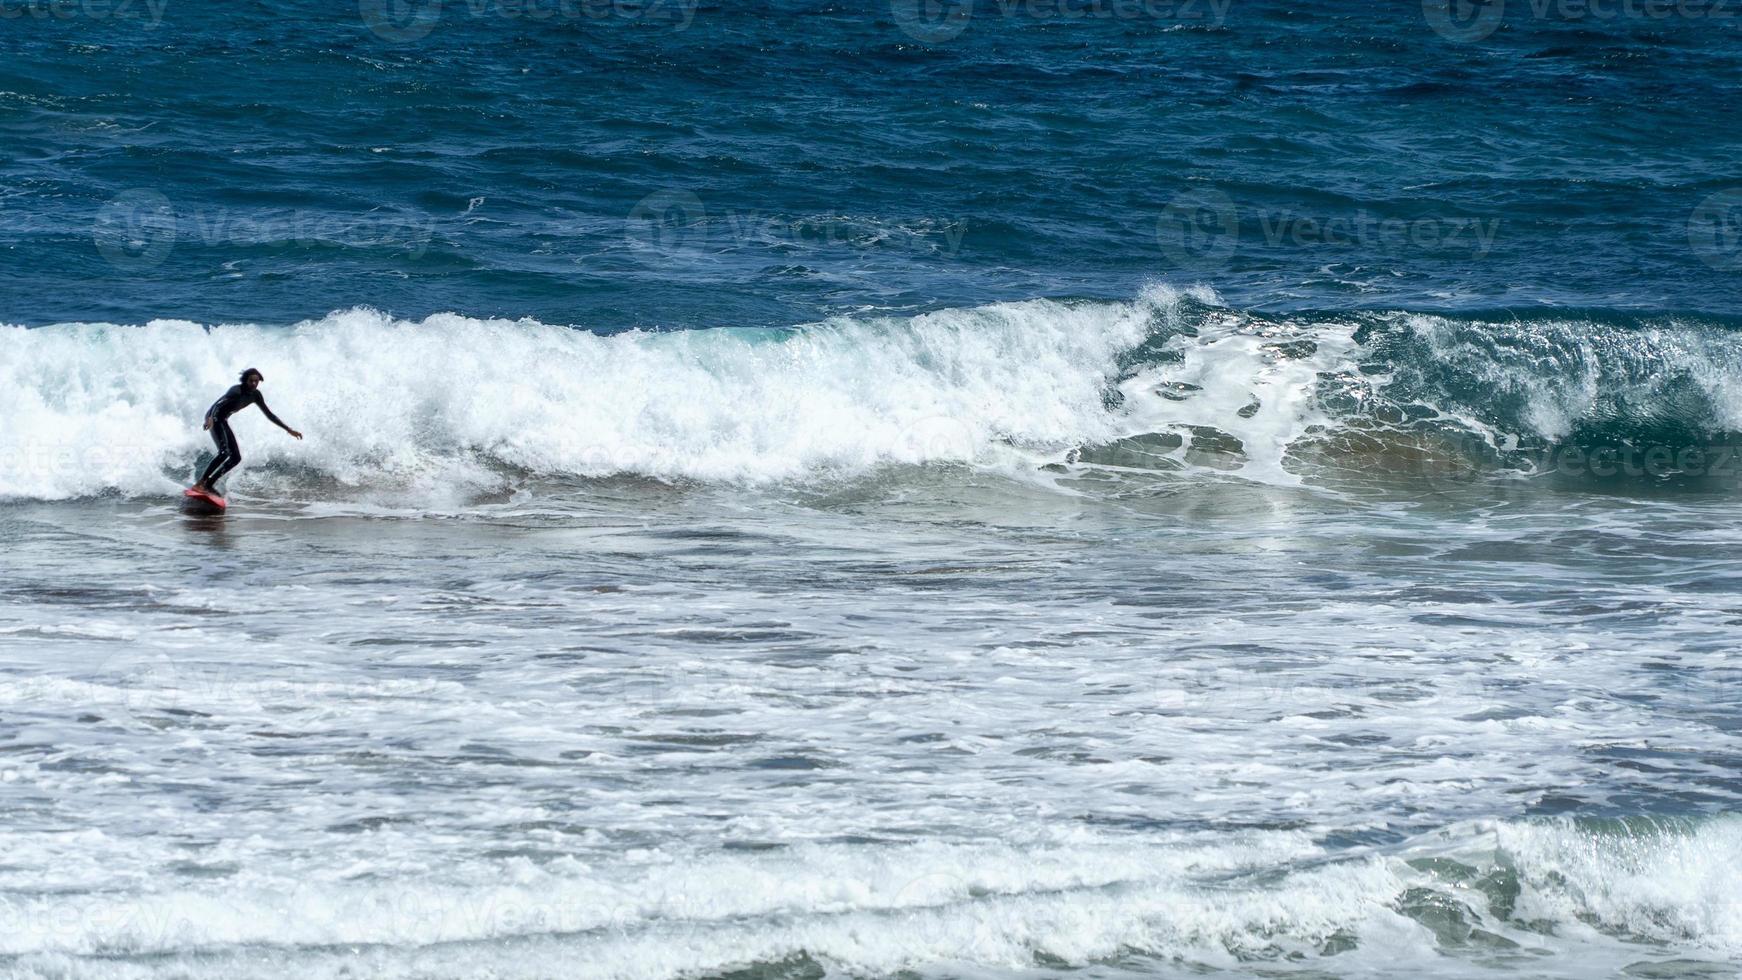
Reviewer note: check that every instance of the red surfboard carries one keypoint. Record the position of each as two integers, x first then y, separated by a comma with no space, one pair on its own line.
202,503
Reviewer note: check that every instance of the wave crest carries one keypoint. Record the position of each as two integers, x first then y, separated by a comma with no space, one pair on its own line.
1171,381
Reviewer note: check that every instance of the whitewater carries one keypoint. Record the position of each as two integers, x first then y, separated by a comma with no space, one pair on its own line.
949,725
451,406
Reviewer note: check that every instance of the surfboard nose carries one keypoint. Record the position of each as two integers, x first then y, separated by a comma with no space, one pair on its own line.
202,503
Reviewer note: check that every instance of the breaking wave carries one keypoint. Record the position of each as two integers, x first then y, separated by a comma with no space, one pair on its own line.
1173,381
1544,896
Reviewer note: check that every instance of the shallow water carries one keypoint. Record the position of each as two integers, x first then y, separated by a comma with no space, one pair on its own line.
619,729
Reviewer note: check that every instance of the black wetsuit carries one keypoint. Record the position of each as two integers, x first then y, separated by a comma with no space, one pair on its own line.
229,453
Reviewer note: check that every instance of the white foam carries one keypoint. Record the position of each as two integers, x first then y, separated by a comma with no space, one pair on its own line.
1662,881
94,408
970,909
1245,387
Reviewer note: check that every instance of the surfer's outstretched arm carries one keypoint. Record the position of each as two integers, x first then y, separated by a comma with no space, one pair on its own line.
275,420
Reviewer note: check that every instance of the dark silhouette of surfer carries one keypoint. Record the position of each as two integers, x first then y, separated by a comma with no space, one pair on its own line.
217,422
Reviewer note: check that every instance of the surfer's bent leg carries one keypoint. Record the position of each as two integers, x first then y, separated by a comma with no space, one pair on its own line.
229,454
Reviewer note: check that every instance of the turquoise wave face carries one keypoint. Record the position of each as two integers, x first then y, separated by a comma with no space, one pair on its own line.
675,164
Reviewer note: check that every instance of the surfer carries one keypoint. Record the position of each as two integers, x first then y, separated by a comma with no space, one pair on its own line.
217,422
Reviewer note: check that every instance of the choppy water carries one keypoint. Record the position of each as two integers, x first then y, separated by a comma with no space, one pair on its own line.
980,731
770,162
795,490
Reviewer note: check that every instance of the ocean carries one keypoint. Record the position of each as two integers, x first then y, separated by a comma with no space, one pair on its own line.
904,489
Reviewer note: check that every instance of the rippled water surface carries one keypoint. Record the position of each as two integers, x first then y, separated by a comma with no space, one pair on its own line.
988,730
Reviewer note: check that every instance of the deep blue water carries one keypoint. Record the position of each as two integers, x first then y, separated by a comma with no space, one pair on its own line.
765,163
